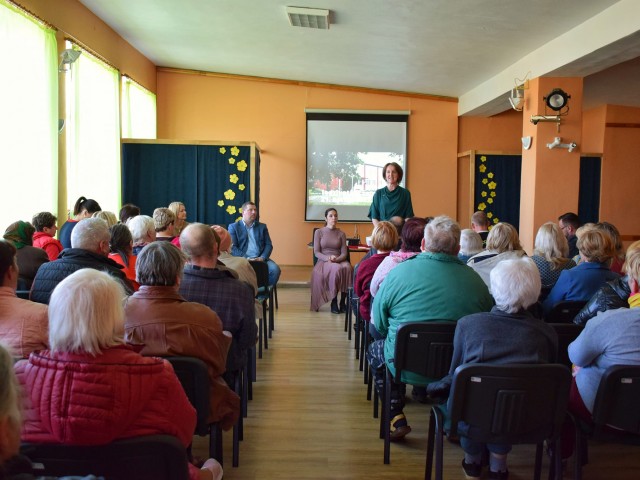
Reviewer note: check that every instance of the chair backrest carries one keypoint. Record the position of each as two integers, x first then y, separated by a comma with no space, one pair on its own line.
510,404
564,312
153,457
194,377
616,402
313,253
567,333
24,294
262,273
425,348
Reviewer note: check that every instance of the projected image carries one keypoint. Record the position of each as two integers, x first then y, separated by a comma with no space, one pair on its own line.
345,158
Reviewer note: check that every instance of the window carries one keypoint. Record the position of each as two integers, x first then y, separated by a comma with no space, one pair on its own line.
29,120
138,110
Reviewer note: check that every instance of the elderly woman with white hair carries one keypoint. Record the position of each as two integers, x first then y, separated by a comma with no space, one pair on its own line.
143,231
91,388
471,244
480,338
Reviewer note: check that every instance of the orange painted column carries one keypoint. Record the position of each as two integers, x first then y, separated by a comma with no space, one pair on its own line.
550,177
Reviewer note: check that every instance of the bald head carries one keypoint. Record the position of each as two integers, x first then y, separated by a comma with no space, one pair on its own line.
199,243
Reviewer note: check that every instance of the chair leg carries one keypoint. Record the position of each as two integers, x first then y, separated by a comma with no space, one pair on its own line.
430,441
348,310
369,381
537,469
271,314
245,386
236,443
260,332
364,341
265,327
376,401
275,295
215,442
386,416
439,444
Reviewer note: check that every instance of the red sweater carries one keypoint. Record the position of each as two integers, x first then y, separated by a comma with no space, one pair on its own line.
366,269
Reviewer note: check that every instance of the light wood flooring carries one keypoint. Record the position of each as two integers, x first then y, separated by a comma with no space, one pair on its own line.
309,417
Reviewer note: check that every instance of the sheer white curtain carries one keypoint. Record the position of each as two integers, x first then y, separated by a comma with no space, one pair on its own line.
138,110
29,119
93,132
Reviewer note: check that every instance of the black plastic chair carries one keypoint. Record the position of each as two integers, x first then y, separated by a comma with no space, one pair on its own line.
24,294
194,377
505,404
567,333
565,311
425,348
265,297
616,405
153,457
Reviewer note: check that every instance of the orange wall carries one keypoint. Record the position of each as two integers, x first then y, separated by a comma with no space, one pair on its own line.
205,107
72,18
593,129
500,133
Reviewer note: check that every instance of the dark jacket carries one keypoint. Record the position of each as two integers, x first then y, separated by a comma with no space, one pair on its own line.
612,295
240,239
50,274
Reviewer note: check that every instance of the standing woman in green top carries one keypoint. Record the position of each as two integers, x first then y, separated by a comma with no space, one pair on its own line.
392,200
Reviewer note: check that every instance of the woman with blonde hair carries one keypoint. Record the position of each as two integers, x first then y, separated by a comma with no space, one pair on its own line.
108,217
550,253
618,259
180,212
502,243
580,283
91,388
384,239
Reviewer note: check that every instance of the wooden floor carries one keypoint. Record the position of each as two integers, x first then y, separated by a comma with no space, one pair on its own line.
310,419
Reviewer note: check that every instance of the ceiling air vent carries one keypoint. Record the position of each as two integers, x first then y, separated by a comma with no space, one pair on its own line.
308,17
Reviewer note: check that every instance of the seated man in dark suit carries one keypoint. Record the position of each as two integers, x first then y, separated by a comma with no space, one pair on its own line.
231,299
251,240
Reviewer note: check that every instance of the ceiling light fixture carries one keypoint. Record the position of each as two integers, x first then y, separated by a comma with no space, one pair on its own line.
557,100
308,17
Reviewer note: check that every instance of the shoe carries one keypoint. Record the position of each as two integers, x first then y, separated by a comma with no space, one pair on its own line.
472,471
498,475
213,466
334,307
399,428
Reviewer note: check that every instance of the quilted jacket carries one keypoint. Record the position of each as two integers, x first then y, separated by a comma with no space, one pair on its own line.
612,295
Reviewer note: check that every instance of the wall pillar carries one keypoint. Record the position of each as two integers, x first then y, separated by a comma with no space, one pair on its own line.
550,177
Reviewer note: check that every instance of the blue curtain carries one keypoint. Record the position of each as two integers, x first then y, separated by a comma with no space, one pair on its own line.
497,187
589,194
212,181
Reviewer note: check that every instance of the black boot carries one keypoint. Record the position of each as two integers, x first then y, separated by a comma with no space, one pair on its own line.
343,302
334,305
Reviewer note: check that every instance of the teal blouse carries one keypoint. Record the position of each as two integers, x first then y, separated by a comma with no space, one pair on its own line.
387,204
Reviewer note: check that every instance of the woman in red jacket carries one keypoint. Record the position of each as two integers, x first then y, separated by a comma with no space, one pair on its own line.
91,388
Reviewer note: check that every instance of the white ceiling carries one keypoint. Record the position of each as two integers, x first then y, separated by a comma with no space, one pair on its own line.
455,48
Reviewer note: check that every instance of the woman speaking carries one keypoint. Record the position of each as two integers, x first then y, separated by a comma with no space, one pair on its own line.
392,200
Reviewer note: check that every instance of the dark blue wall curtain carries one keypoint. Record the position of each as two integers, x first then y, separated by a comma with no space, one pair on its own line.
212,181
589,196
497,187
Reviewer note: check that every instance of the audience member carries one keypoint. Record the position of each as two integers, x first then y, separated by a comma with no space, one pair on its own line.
432,285
398,222
83,208
569,223
89,249
20,234
618,259
121,251
480,338
231,299
391,200
143,231
250,239
44,238
384,239
502,244
332,273
164,323
580,283
128,210
108,217
480,225
97,389
551,255
180,212
23,324
471,243
577,259
164,221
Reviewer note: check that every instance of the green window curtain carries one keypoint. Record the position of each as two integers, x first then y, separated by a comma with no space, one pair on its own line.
93,132
138,110
29,120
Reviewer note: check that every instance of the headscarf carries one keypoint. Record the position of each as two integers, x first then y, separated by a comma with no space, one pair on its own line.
20,234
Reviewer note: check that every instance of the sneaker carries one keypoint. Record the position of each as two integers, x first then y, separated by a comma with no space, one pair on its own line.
399,428
498,475
472,471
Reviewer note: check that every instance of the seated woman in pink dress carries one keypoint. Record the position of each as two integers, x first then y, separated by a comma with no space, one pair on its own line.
333,272
91,388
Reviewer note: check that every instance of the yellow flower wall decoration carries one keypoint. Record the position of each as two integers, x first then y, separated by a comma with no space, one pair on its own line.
496,220
489,200
233,178
235,151
231,209
221,203
238,219
483,158
492,185
223,150
493,194
485,181
242,166
489,214
482,168
483,194
232,160
482,206
229,194
241,186
490,175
